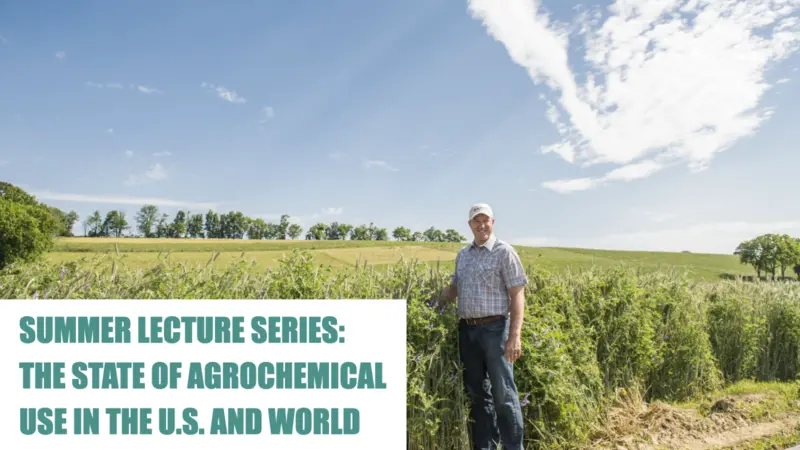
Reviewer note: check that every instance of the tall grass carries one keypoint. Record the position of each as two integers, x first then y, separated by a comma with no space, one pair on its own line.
585,335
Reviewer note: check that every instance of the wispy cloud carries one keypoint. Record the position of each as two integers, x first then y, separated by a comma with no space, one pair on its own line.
122,200
267,113
336,155
380,165
782,81
105,85
3,162
661,78
146,89
224,93
628,172
162,154
61,55
128,154
332,211
3,40
110,131
155,172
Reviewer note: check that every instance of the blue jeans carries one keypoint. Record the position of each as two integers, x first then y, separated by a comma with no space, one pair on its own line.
489,381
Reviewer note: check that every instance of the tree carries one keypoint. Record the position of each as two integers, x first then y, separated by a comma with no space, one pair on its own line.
178,227
162,227
145,220
317,232
115,223
27,227
283,227
195,226
295,231
64,221
94,224
762,252
213,230
433,235
379,234
788,253
452,235
333,232
402,234
257,229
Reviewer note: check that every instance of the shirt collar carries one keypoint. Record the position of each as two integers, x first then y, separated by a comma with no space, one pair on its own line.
489,243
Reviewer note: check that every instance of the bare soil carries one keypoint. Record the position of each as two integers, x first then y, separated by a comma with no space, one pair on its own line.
633,425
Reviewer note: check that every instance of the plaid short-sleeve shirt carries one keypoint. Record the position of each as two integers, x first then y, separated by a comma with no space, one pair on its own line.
483,276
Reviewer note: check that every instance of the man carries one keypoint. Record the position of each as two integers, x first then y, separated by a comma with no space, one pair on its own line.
489,282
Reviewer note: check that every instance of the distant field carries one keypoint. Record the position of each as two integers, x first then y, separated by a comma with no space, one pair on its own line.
266,254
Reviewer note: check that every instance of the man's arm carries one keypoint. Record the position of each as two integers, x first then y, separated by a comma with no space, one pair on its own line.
451,291
516,303
516,280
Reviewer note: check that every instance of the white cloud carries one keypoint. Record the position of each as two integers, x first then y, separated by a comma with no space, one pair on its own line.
670,80
110,131
380,165
136,87
105,85
129,153
162,154
711,237
146,90
224,93
567,186
122,200
155,172
332,211
336,155
61,55
267,113
782,81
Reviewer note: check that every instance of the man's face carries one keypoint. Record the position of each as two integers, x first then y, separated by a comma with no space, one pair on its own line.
481,226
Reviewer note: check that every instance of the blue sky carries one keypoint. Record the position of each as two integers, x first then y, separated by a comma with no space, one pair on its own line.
406,113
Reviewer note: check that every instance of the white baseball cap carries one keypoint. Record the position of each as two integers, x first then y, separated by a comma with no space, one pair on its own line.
480,208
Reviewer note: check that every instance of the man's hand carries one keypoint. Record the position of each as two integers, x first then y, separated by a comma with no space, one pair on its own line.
513,347
447,295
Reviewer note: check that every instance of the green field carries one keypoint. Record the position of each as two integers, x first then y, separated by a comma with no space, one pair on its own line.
621,350
142,253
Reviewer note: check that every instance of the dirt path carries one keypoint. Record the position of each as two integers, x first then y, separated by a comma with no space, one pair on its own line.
742,435
636,426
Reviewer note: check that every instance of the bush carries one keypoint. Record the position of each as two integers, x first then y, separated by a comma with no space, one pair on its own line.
27,227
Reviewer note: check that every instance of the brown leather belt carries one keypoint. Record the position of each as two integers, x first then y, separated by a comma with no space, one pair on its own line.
482,320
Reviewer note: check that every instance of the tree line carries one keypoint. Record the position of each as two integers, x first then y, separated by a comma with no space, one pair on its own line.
28,227
149,222
771,253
